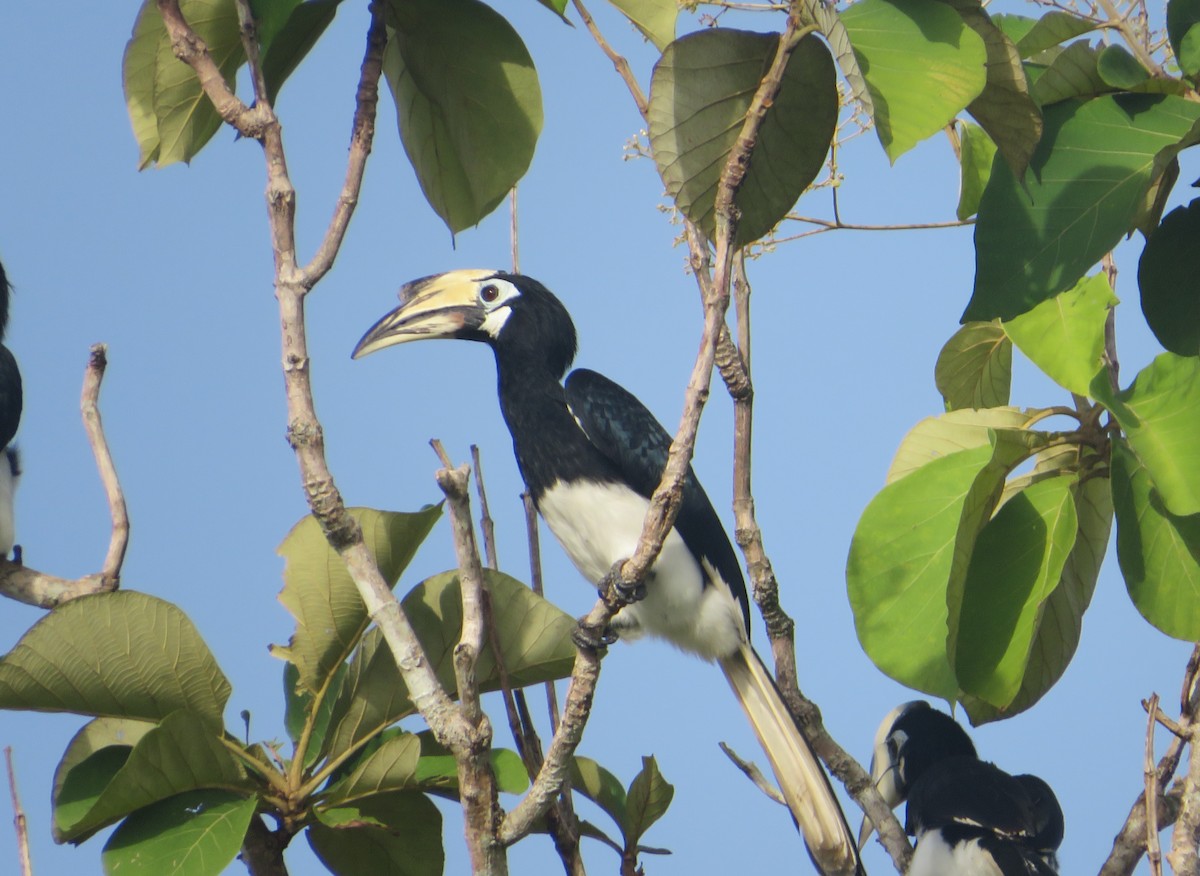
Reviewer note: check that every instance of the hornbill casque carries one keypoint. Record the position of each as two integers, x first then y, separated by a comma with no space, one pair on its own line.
969,817
591,455
10,418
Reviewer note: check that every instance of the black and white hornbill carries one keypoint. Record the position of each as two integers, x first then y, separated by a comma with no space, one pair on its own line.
591,455
10,418
969,817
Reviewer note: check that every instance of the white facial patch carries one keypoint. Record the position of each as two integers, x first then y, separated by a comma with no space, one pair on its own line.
494,322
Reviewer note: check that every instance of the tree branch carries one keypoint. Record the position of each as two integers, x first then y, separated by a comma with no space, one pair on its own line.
36,588
262,849
19,822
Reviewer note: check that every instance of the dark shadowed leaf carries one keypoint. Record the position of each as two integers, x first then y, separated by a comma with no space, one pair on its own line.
1033,242
1064,335
654,18
399,834
1050,30
534,635
113,736
1074,72
181,754
923,65
1160,413
1167,274
974,369
319,594
646,802
299,706
467,100
1119,68
123,654
1159,551
699,94
194,834
1017,563
171,117
285,46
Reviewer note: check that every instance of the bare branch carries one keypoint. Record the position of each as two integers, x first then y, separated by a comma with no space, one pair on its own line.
753,773
618,60
486,526
1150,776
19,823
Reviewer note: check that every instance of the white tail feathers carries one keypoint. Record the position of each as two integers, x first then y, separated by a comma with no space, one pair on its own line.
804,784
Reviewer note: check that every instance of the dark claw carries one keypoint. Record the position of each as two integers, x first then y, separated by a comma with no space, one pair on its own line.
627,591
17,557
588,638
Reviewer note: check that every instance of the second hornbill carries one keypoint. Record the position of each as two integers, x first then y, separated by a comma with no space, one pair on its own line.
591,455
969,817
10,418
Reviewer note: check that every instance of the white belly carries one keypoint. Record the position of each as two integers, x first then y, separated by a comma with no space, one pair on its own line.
599,524
934,858
8,487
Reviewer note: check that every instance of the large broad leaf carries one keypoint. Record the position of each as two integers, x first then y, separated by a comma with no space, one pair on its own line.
289,35
1074,72
964,429
1182,16
181,754
654,18
437,770
977,152
467,100
1119,68
123,654
1033,242
699,94
1017,563
172,119
318,592
1159,551
399,834
830,24
194,834
974,368
390,767
1004,109
646,801
114,736
1051,29
1167,275
600,786
1064,336
910,554
922,64
534,636
1160,414
1061,620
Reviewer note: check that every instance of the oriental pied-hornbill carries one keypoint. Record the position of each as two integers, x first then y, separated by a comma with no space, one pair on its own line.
969,817
10,418
591,455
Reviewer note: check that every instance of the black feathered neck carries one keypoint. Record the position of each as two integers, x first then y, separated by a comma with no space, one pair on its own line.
929,737
538,335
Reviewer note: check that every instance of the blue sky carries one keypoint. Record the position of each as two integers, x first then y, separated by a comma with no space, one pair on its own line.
172,269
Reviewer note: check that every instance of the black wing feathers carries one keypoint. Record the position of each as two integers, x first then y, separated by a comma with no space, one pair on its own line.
622,428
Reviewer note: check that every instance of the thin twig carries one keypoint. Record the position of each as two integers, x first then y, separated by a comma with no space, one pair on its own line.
1153,851
753,773
19,822
486,525
618,60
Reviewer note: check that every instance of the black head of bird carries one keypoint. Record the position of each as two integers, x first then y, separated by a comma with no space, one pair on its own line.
969,817
591,455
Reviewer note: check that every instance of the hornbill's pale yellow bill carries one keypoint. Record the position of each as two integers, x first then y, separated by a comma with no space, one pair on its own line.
591,454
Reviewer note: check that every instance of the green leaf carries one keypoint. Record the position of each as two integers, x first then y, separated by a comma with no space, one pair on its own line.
319,594
1064,335
1167,275
1015,27
399,834
194,834
1159,552
172,118
646,802
600,786
699,94
437,770
1033,242
974,368
534,636
923,65
299,708
1189,52
1074,72
467,100
654,18
1160,414
391,767
910,554
111,740
1182,16
1017,563
964,429
1120,69
1051,29
559,7
123,654
830,24
1061,621
1005,109
181,754
975,167
284,47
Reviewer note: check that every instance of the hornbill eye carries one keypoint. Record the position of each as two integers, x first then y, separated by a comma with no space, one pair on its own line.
489,293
